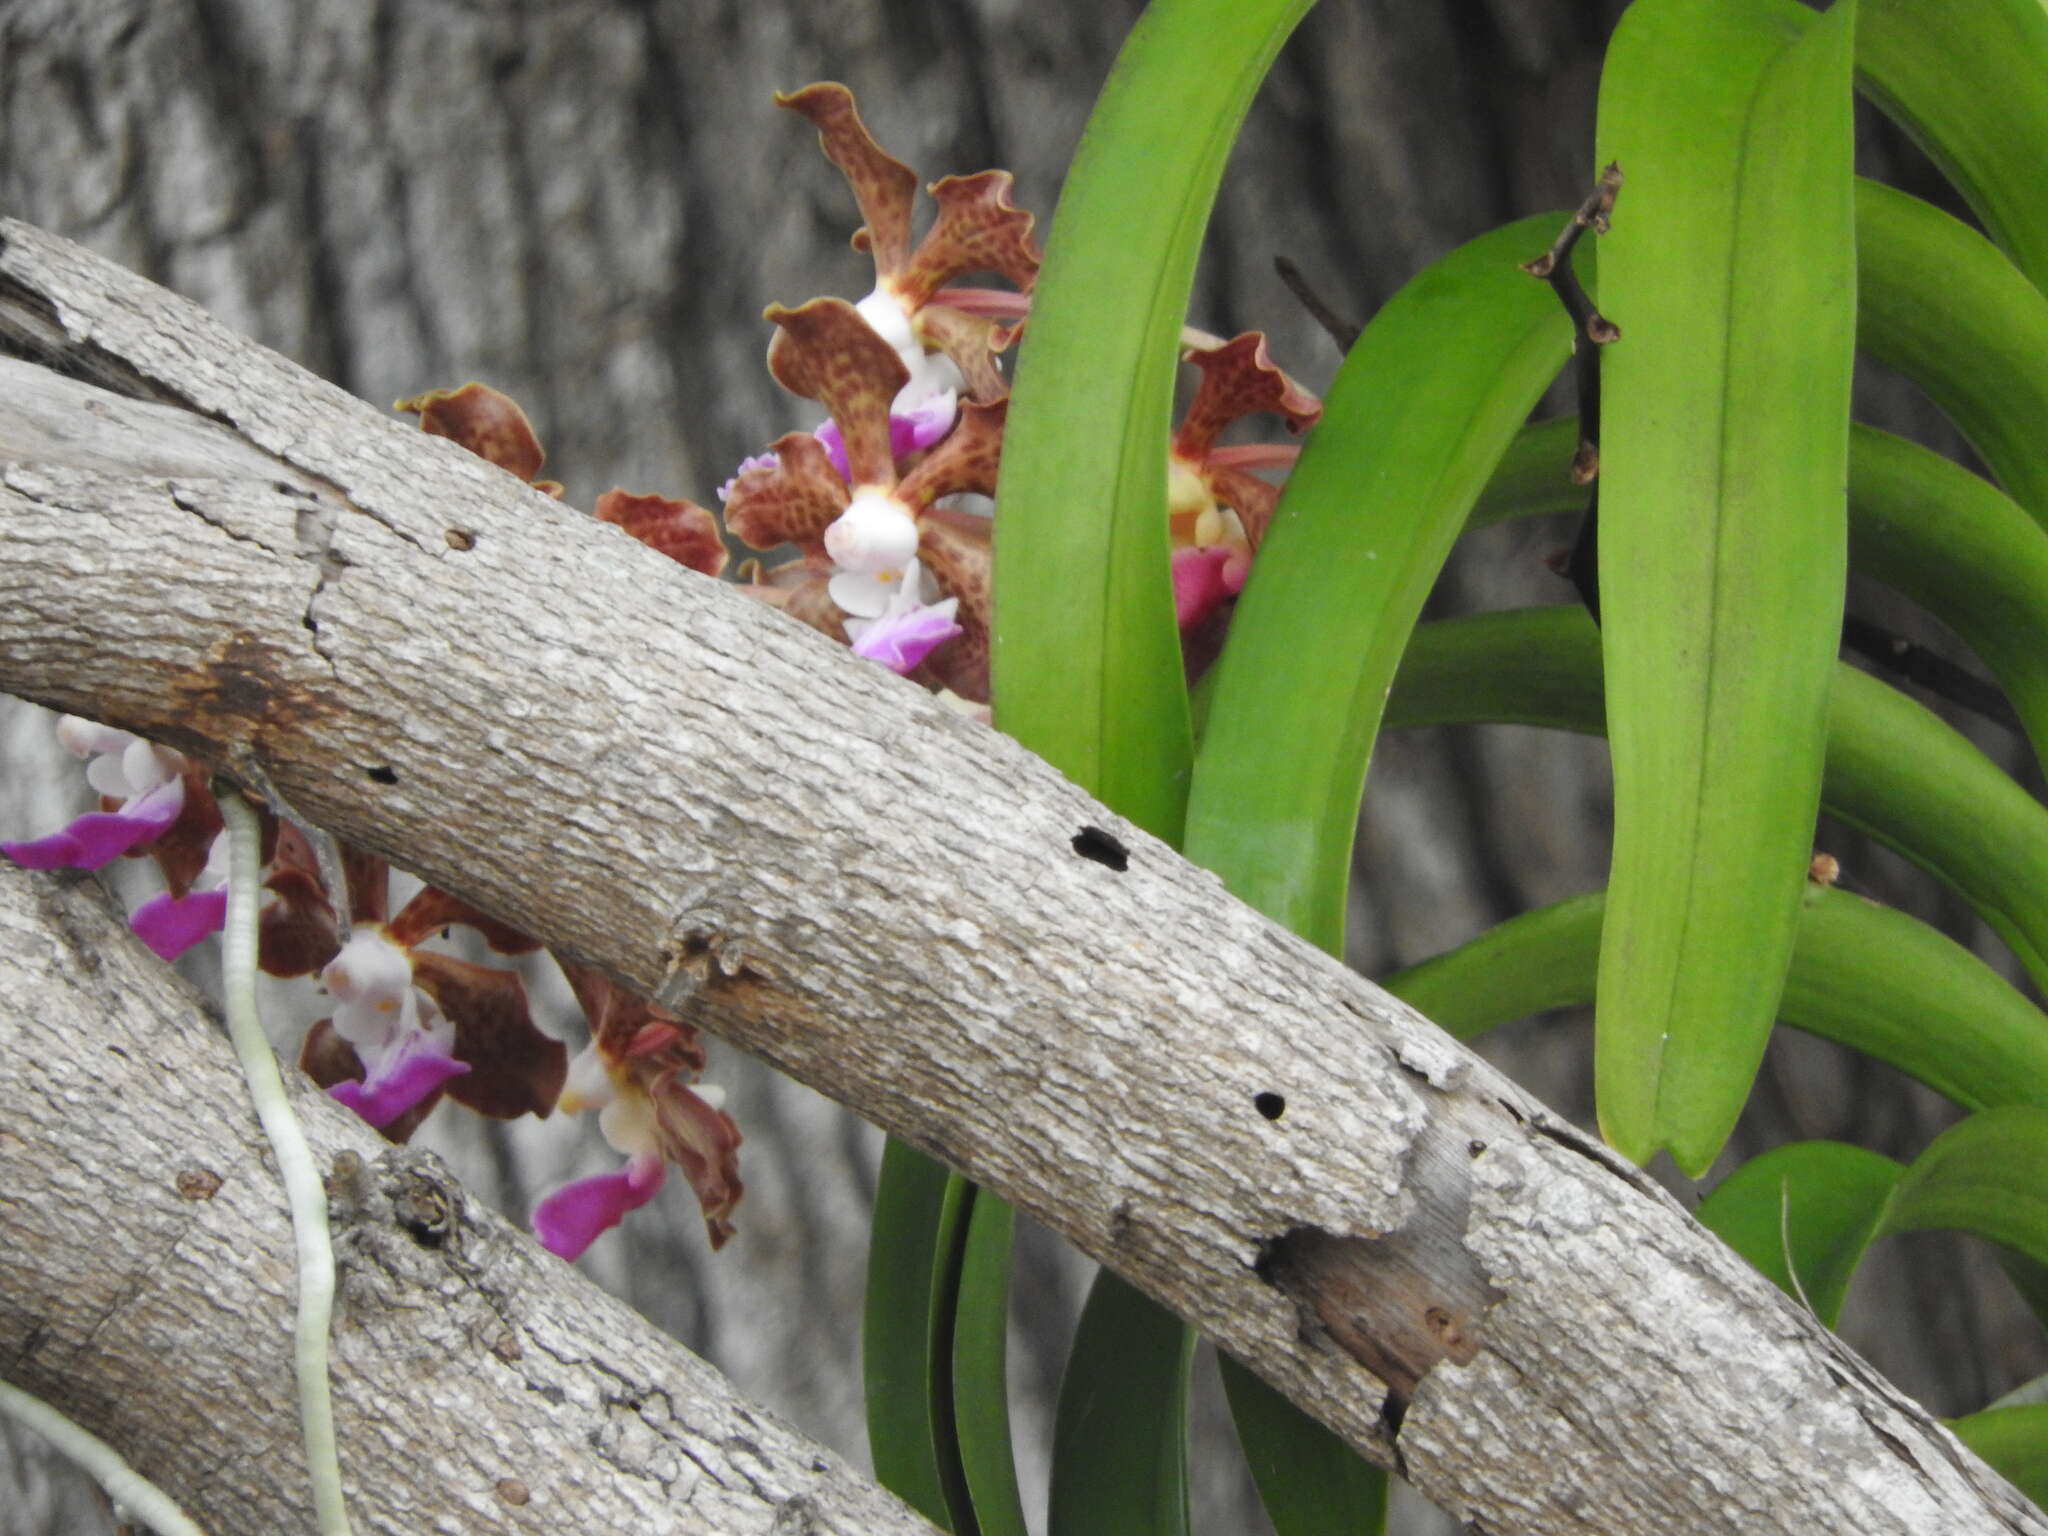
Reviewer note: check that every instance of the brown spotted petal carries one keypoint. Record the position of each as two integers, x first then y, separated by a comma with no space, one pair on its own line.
966,461
825,351
792,501
489,424
1239,379
682,530
972,343
514,1068
434,909
978,229
703,1142
883,186
955,549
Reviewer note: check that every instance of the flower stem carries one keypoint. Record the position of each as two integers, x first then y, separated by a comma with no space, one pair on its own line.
304,1188
124,1485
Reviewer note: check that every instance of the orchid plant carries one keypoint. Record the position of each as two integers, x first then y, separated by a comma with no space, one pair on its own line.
1711,354
881,513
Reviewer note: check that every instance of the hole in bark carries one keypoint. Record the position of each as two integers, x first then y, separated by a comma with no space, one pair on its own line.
459,538
383,775
1102,847
1271,1105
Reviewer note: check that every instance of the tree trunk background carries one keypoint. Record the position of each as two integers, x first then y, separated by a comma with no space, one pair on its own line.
587,203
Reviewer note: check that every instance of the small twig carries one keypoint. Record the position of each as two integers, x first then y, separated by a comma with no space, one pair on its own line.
1916,664
1339,330
101,1462
304,1189
1591,331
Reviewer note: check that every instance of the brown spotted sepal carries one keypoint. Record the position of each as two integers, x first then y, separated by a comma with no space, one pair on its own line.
825,351
489,424
956,548
789,495
682,530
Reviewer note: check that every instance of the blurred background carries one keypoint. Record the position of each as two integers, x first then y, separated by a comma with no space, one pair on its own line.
587,203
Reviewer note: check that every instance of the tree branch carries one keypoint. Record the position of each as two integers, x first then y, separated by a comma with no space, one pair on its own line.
146,1287
831,870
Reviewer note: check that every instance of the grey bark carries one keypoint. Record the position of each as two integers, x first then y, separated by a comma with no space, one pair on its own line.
588,203
822,864
146,1288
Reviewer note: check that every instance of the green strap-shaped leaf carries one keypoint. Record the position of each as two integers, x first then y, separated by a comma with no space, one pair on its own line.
1311,1482
981,1404
1944,306
1987,1175
1428,398
1724,434
1813,1207
1119,1453
1949,540
1867,976
1893,770
1086,659
906,1334
1963,550
1804,1214
1968,79
2014,1443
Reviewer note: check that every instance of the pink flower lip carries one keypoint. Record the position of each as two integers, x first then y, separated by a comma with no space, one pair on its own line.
901,642
170,925
389,1092
1200,583
576,1215
98,838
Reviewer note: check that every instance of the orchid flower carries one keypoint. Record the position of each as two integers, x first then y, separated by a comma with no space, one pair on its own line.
141,788
873,521
406,1047
410,1023
910,381
978,229
1217,512
151,800
636,1072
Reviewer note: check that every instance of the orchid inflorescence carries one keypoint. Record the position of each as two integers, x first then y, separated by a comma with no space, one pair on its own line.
887,507
411,1024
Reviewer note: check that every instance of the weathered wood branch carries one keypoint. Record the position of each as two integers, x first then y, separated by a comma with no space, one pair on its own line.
146,1286
890,902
